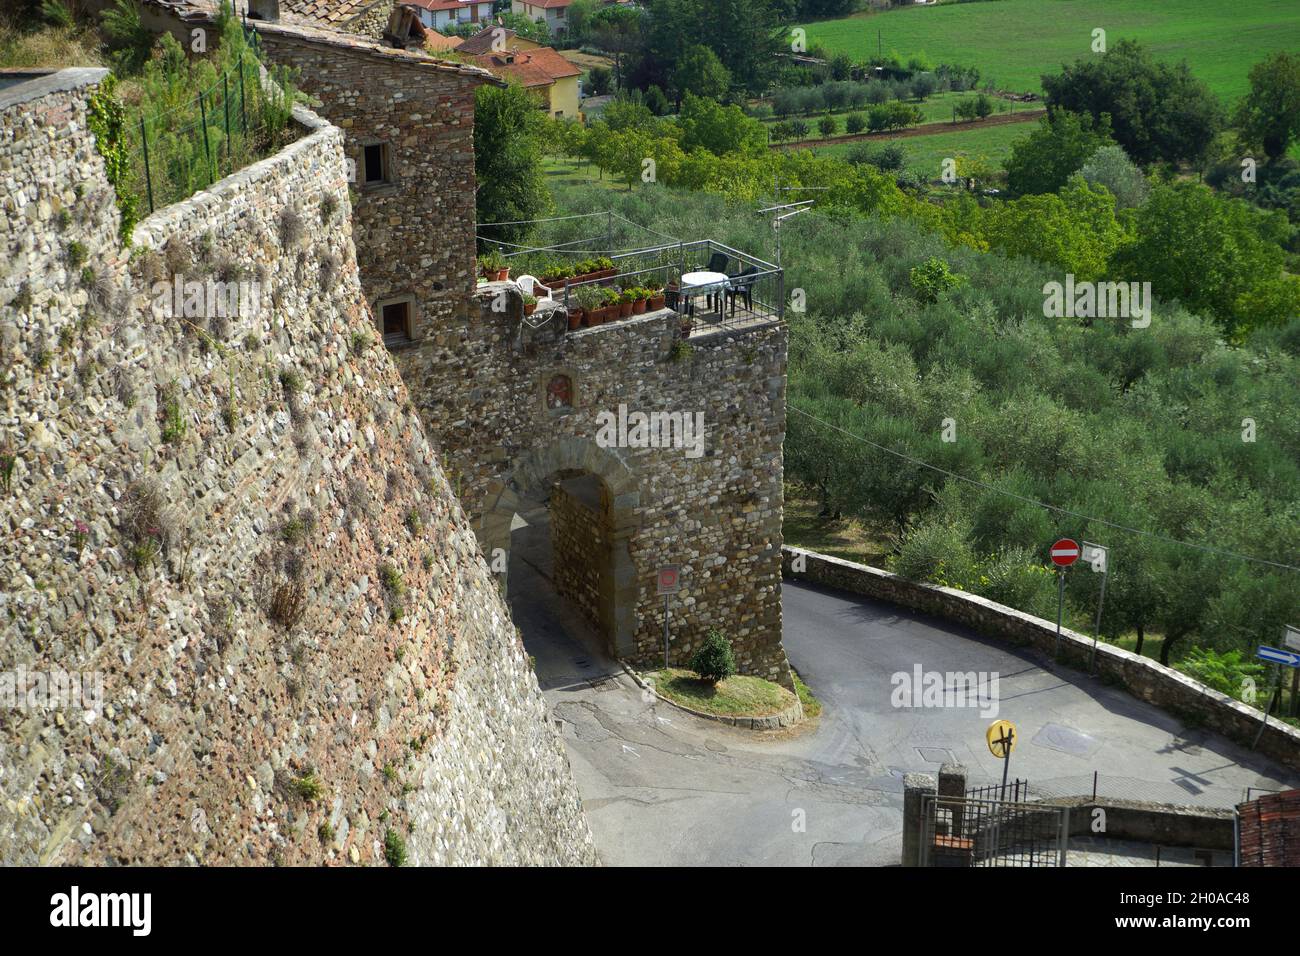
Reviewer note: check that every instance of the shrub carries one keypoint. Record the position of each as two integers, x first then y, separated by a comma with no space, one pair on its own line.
714,661
932,279
394,848
855,123
288,603
827,126
292,228
308,787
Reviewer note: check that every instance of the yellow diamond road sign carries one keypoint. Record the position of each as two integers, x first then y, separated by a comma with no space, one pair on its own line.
1002,738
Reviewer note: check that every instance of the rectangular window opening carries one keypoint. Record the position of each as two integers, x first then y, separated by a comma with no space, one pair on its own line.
396,317
376,162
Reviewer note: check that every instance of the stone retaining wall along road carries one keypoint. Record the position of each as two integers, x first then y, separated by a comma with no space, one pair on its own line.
1148,680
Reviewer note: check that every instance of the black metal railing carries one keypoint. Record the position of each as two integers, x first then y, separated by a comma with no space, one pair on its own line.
754,291
961,831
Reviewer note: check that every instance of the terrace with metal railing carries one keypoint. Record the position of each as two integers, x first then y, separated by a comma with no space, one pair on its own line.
712,286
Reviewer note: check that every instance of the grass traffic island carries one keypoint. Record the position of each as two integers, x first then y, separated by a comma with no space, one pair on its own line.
736,696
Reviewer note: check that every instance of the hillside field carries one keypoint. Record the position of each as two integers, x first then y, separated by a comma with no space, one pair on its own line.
924,155
1013,42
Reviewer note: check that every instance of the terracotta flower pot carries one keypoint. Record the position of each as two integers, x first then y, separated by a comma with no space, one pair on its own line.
592,317
638,307
502,274
530,308
655,302
624,309
575,319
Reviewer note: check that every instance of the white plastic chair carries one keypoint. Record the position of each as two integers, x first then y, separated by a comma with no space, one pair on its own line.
529,285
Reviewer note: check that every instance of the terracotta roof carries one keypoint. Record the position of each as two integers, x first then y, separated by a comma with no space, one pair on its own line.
540,67
447,4
348,42
481,42
433,40
547,4
326,11
1270,830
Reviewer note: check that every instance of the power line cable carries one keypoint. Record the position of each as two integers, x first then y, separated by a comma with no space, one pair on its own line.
1043,504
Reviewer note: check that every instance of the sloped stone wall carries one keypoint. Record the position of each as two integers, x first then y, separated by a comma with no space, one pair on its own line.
238,530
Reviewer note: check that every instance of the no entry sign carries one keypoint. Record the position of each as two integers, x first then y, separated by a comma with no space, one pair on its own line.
1065,552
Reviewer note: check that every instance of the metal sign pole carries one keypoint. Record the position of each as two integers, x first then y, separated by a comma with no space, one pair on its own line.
1096,630
1006,763
1060,604
666,597
1277,692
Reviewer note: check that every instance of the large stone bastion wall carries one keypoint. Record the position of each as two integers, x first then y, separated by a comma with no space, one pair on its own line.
231,535
516,405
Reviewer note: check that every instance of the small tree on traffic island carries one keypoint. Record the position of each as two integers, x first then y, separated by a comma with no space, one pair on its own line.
714,660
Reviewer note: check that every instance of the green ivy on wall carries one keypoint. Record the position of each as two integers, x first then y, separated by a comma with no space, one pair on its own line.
107,122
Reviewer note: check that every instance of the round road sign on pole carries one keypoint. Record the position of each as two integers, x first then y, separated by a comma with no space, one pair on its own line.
1001,736
1065,552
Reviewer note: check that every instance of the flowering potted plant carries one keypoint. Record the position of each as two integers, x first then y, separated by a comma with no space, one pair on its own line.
493,266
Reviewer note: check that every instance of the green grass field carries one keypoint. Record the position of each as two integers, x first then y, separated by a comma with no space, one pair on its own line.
1013,42
925,154
936,109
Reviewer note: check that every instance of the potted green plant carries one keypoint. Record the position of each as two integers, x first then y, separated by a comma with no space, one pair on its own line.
530,304
575,317
603,266
612,303
592,302
493,266
555,276
625,300
639,297
654,297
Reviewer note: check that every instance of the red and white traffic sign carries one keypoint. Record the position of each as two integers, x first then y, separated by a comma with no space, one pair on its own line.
1065,552
668,579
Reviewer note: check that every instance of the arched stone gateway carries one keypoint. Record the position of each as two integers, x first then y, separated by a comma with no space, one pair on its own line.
530,478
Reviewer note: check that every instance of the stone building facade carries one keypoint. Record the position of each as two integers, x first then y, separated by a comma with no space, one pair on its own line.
486,388
485,402
408,120
235,539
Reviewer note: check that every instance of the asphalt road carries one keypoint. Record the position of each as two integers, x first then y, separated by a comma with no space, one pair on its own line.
663,788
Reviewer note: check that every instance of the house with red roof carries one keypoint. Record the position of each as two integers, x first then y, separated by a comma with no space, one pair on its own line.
446,14
539,69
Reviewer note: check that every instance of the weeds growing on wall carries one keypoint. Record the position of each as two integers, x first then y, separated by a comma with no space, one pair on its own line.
106,120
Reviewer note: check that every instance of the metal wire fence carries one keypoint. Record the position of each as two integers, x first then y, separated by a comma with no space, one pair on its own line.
233,121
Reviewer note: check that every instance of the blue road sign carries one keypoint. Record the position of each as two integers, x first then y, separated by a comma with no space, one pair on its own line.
1277,656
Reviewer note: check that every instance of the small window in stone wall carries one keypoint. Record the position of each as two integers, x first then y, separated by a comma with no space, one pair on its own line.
395,317
375,166
559,392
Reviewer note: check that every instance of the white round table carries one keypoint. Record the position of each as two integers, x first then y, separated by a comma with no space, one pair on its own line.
705,283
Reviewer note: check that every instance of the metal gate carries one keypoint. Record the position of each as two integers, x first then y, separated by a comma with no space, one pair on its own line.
969,831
